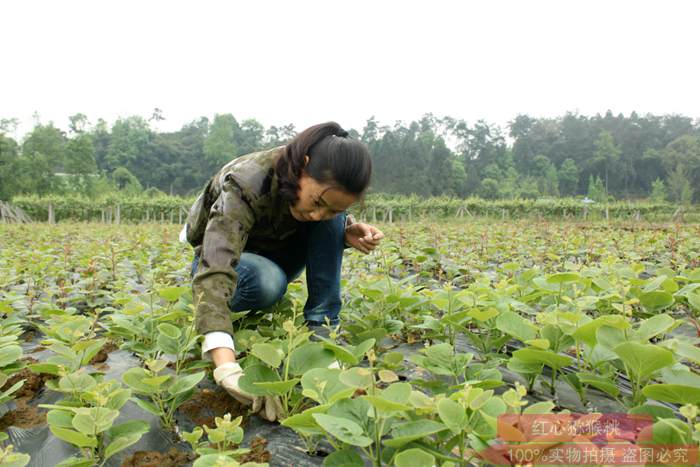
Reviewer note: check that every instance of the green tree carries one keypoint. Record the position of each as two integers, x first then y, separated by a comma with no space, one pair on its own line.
683,152
680,189
125,181
127,144
606,154
9,161
658,191
568,177
596,189
219,145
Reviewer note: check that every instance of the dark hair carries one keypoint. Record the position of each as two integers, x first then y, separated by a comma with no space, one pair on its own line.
333,158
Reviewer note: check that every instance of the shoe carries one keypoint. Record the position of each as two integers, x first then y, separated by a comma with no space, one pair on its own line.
319,330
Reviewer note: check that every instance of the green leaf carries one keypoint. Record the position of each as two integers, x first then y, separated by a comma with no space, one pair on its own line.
60,418
48,368
130,427
357,377
515,325
121,443
453,415
344,458
598,382
361,349
385,405
671,432
345,430
309,356
268,353
169,330
173,294
185,383
258,374
404,433
75,462
9,355
277,387
694,300
643,360
148,406
676,393
76,382
563,277
214,460
167,344
414,458
94,420
655,301
483,315
545,357
133,377
658,324
73,437
304,422
587,332
540,408
323,385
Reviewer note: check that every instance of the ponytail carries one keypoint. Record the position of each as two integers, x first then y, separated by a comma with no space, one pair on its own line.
333,158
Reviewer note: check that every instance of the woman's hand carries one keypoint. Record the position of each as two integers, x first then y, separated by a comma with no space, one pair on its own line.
227,375
363,237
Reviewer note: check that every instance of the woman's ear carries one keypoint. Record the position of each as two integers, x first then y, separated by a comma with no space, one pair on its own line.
306,160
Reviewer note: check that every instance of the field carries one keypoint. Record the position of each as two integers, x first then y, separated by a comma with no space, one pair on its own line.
446,328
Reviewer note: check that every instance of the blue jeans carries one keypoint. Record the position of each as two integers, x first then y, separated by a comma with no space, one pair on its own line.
263,275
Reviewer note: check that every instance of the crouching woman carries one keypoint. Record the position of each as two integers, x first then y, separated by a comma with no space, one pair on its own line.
260,221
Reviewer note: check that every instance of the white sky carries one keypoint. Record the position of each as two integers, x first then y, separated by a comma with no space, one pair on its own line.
304,62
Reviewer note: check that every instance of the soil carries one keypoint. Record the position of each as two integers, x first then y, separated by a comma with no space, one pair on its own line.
258,452
29,336
173,458
33,382
104,352
208,404
24,416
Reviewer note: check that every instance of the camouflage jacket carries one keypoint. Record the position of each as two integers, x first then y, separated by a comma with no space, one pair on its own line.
239,208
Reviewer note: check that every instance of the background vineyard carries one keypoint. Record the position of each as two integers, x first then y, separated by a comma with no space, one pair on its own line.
386,208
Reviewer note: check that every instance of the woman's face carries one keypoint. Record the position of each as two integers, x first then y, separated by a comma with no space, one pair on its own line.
319,201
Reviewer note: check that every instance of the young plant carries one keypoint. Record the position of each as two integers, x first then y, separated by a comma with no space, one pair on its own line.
86,415
221,444
166,391
276,367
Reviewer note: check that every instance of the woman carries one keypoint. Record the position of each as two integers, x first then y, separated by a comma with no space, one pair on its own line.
259,222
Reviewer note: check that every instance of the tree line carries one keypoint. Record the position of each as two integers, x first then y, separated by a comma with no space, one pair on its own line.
602,156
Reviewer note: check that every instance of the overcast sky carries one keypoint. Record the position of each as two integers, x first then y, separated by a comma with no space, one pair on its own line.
305,62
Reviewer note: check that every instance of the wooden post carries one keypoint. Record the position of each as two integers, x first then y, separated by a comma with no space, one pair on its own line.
52,217
119,214
162,217
102,212
179,216
607,213
391,215
585,212
171,216
374,214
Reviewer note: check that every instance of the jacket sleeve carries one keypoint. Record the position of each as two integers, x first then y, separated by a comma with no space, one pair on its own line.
226,233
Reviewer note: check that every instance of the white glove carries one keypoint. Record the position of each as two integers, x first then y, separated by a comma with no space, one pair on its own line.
227,375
